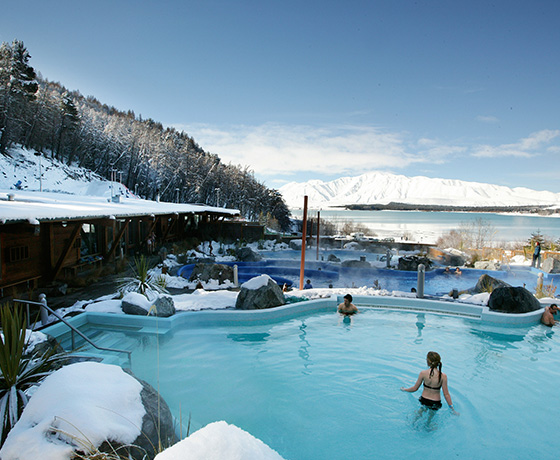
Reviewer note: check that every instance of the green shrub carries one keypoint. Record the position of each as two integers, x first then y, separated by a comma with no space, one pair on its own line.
19,372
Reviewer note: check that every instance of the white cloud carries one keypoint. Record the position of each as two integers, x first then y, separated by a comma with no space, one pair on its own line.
274,149
526,148
278,151
488,119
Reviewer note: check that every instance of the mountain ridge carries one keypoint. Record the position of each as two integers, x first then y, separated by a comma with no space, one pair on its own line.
381,188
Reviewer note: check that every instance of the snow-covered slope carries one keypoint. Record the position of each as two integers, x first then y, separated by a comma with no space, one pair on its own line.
384,188
70,192
20,171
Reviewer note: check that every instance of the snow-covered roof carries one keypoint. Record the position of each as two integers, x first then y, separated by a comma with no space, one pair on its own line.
36,207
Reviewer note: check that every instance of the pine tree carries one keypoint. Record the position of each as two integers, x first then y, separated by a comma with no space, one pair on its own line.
70,121
18,86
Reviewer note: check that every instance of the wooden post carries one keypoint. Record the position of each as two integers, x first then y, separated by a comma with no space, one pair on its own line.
67,249
116,241
303,240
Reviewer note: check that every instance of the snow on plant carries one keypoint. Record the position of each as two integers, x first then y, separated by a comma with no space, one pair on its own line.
144,281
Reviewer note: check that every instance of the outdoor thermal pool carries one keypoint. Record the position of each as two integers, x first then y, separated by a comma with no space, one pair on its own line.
316,386
324,274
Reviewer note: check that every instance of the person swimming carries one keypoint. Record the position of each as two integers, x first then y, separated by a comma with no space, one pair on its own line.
347,307
434,381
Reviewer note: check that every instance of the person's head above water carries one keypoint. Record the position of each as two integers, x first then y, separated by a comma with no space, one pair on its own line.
349,297
434,361
433,358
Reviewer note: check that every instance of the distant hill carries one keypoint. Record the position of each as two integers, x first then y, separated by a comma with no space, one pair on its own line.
379,188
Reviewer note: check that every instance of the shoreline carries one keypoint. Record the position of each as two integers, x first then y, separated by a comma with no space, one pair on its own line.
528,210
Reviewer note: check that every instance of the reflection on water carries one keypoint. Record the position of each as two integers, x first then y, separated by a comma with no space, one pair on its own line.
420,324
304,348
541,342
252,337
499,340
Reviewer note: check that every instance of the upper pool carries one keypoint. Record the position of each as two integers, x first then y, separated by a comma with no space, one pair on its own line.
323,274
313,386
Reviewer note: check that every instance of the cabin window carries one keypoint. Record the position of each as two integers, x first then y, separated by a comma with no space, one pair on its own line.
18,253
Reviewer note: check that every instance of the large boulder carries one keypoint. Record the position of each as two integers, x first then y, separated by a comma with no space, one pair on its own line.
362,263
487,284
410,263
551,265
248,255
91,406
259,293
164,306
157,424
487,265
513,300
456,260
295,245
134,303
205,272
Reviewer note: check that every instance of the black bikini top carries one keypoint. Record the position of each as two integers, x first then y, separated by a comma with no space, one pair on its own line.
432,388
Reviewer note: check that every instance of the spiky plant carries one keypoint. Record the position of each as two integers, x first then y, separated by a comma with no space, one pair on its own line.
19,372
142,281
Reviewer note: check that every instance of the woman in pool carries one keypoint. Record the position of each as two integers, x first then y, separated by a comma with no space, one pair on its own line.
433,380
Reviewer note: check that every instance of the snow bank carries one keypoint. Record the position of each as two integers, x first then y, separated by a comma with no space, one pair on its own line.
219,441
204,300
105,306
76,406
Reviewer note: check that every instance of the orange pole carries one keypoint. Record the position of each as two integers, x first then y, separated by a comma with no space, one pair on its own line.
318,231
303,240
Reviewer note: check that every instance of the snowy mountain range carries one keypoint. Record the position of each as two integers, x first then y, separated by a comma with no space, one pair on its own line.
385,188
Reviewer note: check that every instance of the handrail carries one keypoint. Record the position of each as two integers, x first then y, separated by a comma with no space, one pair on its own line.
73,329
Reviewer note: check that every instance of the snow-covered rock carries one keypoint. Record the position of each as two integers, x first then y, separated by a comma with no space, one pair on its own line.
79,405
219,441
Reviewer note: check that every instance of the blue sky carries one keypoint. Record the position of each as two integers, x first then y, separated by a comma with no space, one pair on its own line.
301,90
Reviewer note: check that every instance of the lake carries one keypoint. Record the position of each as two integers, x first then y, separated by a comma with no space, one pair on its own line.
428,226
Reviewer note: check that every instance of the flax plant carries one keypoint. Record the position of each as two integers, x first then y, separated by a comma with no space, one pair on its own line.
19,372
142,281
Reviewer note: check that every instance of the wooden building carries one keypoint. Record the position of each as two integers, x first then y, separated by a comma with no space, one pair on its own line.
48,236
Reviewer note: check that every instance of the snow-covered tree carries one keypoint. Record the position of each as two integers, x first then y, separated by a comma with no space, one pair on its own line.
18,86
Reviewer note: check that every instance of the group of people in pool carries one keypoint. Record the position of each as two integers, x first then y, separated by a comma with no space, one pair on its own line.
433,379
448,271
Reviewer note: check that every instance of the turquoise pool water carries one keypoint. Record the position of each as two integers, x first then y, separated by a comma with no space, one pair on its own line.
317,387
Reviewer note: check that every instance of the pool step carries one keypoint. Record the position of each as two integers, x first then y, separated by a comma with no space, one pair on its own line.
118,359
104,339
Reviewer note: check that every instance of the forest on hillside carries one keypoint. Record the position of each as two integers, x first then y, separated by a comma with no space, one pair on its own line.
147,157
